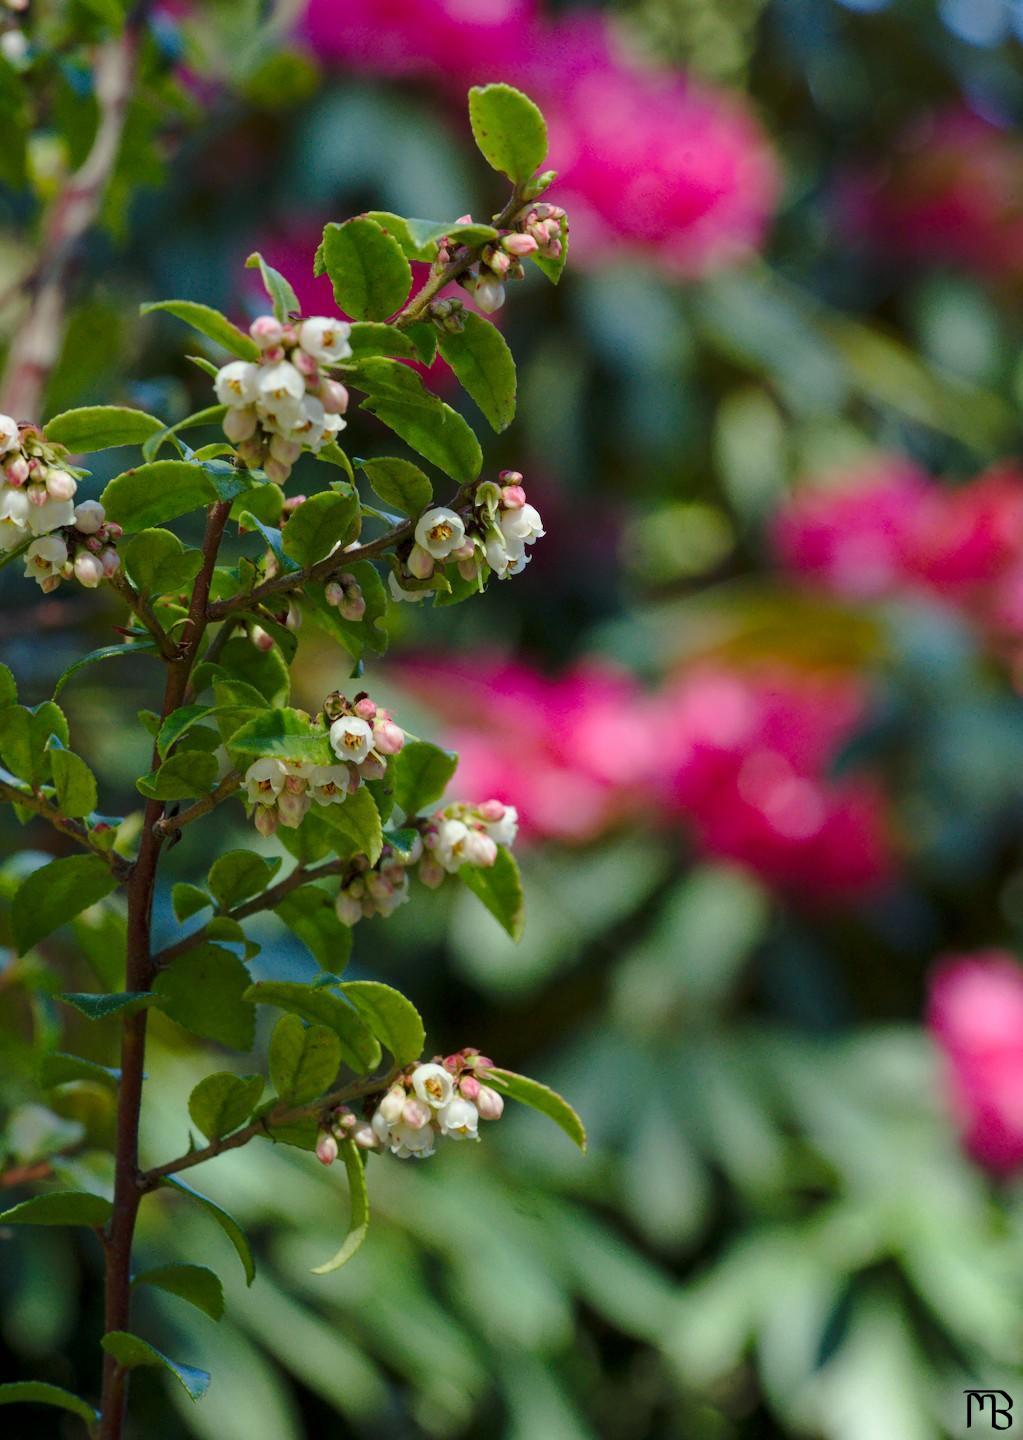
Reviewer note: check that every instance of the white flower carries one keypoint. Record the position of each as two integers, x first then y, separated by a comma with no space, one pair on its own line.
325,340
351,739
88,569
264,780
59,484
45,558
328,784
8,434
523,524
14,506
499,557
281,389
479,849
398,591
381,1127
504,831
449,845
348,909
433,1084
489,295
89,517
392,1105
50,515
440,531
291,808
314,427
235,383
396,895
407,1143
459,1119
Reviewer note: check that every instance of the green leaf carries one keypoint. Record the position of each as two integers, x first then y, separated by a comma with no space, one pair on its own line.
238,875
187,900
60,1069
205,991
194,1283
101,1007
264,670
509,130
222,1102
285,301
105,652
356,636
130,1351
158,563
227,1223
56,893
8,689
187,773
359,1049
287,734
38,1392
177,724
304,1060
369,338
332,454
359,1198
309,913
394,1020
479,356
164,489
436,432
208,322
548,265
208,415
60,1207
538,1097
75,782
399,483
424,338
358,820
320,524
25,739
101,427
419,238
419,775
367,268
500,889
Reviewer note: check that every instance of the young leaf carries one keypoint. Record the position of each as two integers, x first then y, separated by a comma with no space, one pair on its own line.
187,773
227,1223
208,322
195,1283
508,129
424,338
285,301
59,1069
264,671
304,1060
101,1007
419,238
60,1207
222,1102
539,1097
419,774
479,356
150,494
205,991
500,889
101,427
105,652
359,1199
38,1392
158,563
359,1049
399,483
131,1351
319,525
25,739
75,782
309,913
55,893
288,734
367,268
187,900
437,432
238,875
369,338
394,1020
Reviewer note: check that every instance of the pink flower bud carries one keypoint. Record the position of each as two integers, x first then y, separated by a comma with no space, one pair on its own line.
353,607
481,1062
468,569
240,424
250,452
266,330
289,336
110,561
489,295
420,563
464,220
348,908
489,1103
373,768
365,1136
491,811
365,708
431,873
16,471
260,638
332,593
60,485
469,1087
333,397
277,471
519,245
326,1148
88,569
286,451
452,1063
37,495
479,849
265,820
415,1113
114,531
513,497
292,504
388,738
393,1104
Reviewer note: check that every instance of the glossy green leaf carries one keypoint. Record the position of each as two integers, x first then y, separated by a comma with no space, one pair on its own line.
319,525
227,1223
149,495
399,483
186,774
394,1020
367,268
187,900
480,357
358,821
208,322
55,893
370,338
158,564
358,1196
60,1069
509,130
499,886
101,427
287,734
539,1097
8,689
205,991
419,775
419,238
60,1207
359,1048
101,1007
309,913
38,1392
238,875
279,289
25,736
222,1102
304,1060
75,784
130,1351
134,651
437,433
195,1283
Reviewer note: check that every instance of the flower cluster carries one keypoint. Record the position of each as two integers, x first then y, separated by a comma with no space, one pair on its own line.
362,735
493,531
37,495
463,834
439,1099
537,231
284,403
376,889
976,1017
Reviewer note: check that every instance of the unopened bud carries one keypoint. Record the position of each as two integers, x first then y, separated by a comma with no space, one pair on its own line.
333,397
266,330
277,471
519,245
60,485
88,569
431,873
420,563
260,638
488,1102
469,1087
388,738
326,1148
333,593
111,562
265,820
489,295
240,424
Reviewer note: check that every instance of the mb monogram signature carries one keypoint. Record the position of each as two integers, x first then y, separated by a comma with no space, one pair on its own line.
994,1406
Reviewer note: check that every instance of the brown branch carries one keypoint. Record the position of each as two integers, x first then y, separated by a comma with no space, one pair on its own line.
172,823
143,608
74,829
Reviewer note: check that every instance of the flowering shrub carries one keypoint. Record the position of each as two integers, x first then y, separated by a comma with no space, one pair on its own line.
223,618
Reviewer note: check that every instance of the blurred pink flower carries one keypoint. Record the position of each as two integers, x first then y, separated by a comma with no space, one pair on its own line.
950,192
976,1016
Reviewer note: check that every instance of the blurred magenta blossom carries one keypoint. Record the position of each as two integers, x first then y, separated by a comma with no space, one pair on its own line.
741,758
976,1016
951,191
648,162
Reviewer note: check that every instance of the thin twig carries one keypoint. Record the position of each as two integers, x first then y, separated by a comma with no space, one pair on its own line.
75,829
143,608
171,823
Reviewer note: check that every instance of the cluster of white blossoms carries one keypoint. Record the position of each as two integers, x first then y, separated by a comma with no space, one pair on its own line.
37,505
362,735
441,1099
283,403
537,231
495,530
463,834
